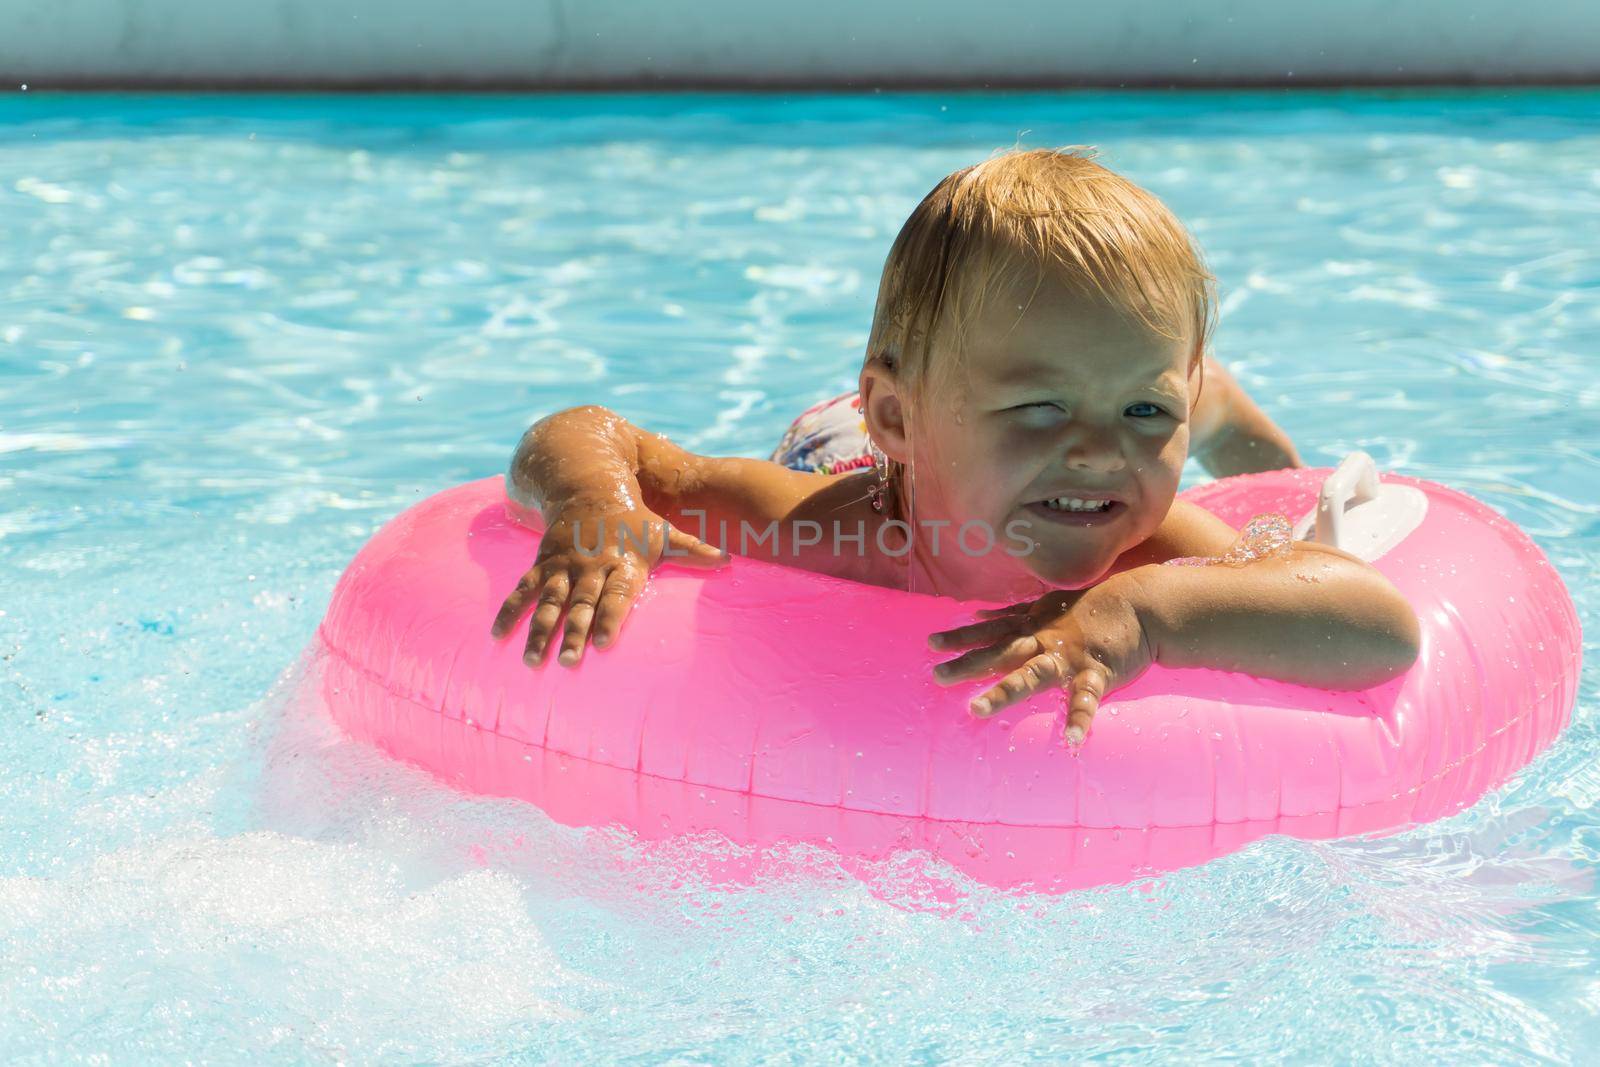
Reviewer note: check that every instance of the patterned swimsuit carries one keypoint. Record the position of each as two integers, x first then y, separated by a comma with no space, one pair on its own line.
828,438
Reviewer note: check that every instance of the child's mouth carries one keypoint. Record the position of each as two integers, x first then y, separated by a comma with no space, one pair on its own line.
1076,510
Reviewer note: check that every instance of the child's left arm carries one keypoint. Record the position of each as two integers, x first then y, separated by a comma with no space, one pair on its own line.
1230,434
1314,615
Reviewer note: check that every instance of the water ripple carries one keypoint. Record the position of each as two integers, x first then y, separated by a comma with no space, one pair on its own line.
240,334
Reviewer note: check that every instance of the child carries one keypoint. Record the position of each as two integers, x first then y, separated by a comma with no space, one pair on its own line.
1031,378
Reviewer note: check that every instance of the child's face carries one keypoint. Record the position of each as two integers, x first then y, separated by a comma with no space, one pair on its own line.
1061,396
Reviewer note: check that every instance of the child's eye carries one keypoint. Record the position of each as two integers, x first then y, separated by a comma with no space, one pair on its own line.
1039,405
1143,410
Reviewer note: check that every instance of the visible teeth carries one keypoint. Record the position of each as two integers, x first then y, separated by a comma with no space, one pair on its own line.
1073,503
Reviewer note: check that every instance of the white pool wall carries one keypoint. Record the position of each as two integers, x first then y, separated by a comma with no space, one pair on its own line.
844,43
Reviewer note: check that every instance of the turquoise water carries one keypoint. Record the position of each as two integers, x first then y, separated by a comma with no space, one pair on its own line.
238,334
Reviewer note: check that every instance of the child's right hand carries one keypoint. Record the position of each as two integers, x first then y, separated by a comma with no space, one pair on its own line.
590,568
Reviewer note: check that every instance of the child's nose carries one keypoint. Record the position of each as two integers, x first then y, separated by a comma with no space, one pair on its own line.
1096,456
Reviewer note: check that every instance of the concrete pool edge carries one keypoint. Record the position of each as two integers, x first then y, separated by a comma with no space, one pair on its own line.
556,44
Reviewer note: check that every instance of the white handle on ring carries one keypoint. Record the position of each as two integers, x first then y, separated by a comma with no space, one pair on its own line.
1358,514
1355,481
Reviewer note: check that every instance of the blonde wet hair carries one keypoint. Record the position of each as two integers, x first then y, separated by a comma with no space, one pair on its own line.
1055,213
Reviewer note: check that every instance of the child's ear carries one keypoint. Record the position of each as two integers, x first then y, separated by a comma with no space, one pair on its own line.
884,409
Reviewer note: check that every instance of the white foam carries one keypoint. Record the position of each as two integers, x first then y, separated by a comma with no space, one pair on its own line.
273,933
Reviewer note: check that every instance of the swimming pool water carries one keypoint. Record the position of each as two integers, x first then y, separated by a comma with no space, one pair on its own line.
237,334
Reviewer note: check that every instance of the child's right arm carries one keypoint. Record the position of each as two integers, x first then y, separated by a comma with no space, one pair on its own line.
612,498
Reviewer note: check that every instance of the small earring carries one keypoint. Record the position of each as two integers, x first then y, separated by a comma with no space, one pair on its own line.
876,494
880,489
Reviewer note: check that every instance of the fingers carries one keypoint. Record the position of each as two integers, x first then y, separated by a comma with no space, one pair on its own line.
623,586
991,659
594,595
1047,670
580,614
597,604
1088,687
515,605
1020,608
689,551
552,598
977,633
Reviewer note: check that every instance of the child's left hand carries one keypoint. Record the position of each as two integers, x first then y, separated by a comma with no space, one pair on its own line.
1087,641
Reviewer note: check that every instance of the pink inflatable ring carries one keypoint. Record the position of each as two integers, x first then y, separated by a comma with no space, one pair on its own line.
775,705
